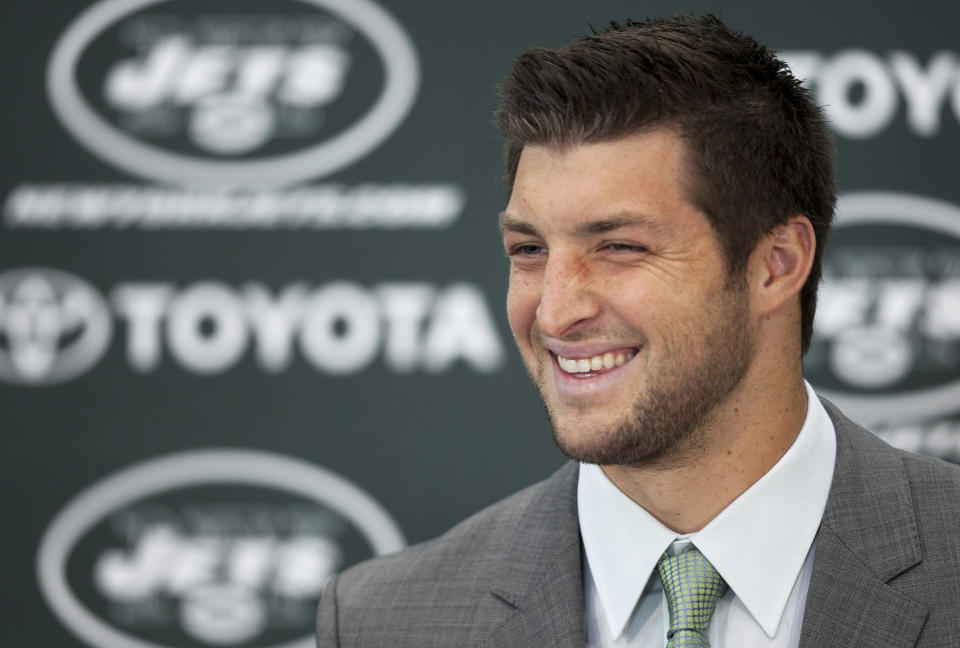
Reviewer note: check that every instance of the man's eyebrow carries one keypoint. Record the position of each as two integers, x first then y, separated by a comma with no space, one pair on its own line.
510,223
615,222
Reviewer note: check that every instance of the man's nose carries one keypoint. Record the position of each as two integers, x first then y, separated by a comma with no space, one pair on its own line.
567,298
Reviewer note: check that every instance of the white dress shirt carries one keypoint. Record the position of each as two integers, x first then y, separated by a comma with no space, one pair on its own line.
761,544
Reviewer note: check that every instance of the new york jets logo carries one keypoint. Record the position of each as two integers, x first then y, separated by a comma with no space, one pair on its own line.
887,335
193,94
216,547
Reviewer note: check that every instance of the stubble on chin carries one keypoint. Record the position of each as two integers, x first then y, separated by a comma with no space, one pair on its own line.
653,436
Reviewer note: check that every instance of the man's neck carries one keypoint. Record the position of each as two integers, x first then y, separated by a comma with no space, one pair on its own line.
744,438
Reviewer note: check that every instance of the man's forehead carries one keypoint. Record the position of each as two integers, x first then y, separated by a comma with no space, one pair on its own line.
656,159
639,181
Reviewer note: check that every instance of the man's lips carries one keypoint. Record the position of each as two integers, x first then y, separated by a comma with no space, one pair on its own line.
585,364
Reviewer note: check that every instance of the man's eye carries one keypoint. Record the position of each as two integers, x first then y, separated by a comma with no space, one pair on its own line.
625,247
527,249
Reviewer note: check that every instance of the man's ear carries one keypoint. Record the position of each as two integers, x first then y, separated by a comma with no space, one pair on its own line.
781,263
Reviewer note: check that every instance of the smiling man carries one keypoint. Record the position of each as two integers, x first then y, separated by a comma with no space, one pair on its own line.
671,191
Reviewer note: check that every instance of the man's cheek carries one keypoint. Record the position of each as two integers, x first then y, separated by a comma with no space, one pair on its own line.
521,312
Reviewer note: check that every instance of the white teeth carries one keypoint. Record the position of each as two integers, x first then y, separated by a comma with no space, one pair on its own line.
595,363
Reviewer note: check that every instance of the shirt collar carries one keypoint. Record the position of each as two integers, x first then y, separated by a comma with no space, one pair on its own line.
758,543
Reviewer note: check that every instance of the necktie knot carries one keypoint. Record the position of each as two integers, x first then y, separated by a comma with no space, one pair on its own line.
693,587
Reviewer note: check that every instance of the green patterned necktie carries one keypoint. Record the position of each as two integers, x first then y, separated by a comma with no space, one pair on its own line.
693,588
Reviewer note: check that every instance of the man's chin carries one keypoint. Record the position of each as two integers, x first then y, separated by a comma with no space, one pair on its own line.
600,433
626,443
596,446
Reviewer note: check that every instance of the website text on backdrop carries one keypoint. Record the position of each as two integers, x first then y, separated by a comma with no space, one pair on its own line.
671,190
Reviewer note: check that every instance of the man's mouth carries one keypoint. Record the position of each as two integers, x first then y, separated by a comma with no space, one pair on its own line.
596,364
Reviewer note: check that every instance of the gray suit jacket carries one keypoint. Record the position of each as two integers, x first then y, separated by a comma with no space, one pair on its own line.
886,571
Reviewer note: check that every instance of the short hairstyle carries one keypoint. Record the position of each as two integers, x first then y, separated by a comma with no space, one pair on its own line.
758,149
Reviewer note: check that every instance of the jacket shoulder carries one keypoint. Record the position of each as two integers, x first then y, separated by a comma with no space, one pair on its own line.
482,537
450,581
922,471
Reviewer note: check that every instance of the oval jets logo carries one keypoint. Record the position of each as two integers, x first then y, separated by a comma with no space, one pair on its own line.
213,547
53,326
260,99
887,334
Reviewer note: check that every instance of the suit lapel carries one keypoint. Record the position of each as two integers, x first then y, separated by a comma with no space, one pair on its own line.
541,581
868,536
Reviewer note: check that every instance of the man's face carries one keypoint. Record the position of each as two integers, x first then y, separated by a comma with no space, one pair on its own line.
620,300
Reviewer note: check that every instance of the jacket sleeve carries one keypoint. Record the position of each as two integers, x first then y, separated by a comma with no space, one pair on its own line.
327,627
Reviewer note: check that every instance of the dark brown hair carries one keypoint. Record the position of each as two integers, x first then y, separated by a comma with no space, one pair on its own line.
758,149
